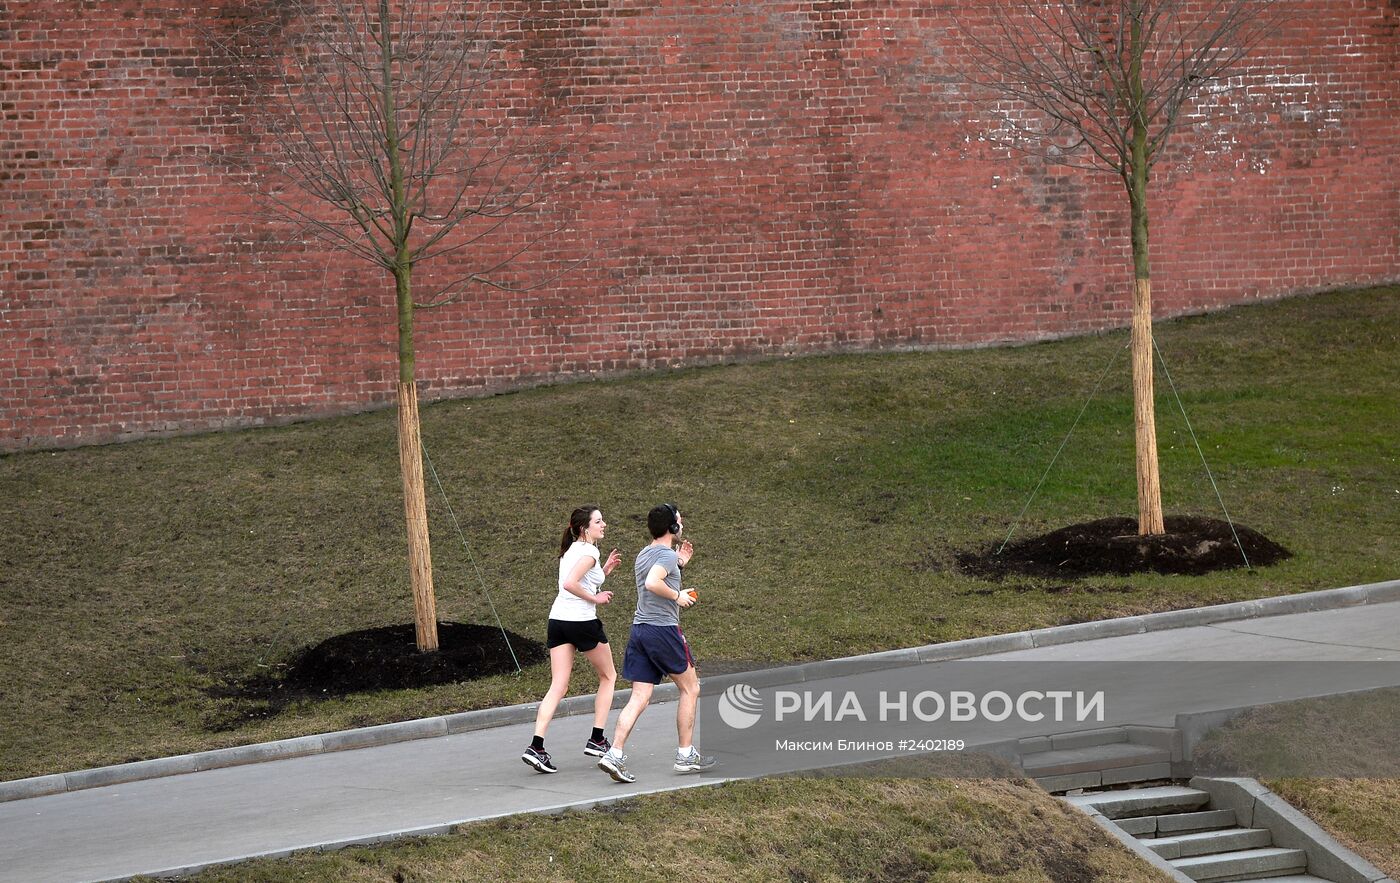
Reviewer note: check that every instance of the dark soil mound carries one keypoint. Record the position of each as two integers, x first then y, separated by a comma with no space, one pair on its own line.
388,659
374,659
1191,545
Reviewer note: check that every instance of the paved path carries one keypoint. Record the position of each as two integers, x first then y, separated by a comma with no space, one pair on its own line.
187,821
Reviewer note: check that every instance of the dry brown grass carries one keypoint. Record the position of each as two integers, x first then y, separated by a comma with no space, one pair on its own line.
791,829
1361,813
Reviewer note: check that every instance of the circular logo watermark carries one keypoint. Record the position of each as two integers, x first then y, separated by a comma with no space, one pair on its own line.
741,706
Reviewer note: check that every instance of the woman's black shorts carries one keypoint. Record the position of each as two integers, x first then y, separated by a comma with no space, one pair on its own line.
584,635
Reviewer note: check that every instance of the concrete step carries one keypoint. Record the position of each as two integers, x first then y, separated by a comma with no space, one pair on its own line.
1245,864
1210,842
1088,738
1294,878
1192,822
1179,823
1113,763
1096,757
1138,802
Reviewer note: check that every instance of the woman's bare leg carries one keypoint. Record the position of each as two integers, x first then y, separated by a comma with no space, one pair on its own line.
602,660
561,666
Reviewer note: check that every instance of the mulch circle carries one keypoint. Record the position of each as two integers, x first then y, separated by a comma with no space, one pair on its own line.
1191,545
384,658
387,658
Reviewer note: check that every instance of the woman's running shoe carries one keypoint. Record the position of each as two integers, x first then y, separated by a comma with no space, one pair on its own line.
539,760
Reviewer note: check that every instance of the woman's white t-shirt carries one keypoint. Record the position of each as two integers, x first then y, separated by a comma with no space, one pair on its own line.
568,606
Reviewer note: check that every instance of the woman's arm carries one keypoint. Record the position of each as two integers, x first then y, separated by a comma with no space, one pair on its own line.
574,587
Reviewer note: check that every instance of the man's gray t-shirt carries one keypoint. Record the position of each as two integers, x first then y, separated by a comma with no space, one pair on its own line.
652,609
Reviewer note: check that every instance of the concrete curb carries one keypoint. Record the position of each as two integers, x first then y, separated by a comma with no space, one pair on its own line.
385,734
1257,807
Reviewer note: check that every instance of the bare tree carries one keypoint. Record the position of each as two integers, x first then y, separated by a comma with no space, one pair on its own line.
1102,84
380,129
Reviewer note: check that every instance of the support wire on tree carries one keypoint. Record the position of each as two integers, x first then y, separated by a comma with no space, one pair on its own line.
1197,442
1017,523
471,558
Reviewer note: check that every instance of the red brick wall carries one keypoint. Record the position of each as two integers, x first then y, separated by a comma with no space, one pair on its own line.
756,178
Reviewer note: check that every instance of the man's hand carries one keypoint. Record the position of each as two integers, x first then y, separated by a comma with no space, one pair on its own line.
685,552
610,565
686,598
602,598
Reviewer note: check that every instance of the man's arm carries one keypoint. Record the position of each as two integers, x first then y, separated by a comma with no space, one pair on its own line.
656,584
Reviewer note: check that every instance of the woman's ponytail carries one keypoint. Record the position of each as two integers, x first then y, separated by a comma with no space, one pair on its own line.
578,523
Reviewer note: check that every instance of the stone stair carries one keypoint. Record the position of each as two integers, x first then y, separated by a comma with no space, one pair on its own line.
1101,758
1203,842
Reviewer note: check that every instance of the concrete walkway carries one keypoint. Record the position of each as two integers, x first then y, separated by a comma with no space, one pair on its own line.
179,823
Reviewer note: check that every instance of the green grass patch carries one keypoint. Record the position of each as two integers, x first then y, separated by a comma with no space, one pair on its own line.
826,497
777,829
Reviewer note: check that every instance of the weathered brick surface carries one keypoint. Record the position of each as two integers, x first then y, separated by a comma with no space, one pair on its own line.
756,178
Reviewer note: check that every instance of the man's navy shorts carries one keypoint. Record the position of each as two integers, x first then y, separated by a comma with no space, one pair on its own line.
654,652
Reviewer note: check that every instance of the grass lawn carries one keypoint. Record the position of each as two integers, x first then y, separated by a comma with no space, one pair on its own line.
826,497
1356,735
791,830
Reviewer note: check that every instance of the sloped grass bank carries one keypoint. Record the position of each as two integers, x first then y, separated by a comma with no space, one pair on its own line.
777,829
827,497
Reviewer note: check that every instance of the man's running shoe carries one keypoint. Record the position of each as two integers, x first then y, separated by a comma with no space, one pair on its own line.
615,765
694,762
597,749
539,760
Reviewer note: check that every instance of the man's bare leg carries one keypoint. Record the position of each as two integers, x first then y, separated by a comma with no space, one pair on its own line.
688,682
641,695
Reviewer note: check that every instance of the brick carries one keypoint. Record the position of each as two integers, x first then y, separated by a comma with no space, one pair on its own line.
750,179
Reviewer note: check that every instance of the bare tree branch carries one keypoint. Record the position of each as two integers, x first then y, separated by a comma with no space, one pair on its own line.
315,75
1062,70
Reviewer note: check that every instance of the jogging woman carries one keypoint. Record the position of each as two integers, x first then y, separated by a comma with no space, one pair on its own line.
574,627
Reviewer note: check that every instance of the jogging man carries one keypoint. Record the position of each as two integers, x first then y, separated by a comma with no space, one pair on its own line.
656,649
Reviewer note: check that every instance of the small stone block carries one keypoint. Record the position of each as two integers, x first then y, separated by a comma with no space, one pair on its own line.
973,647
1181,823
1089,738
263,751
37,786
1088,631
1244,864
1143,773
1144,801
130,772
386,734
1034,745
1055,784
1166,738
1139,827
